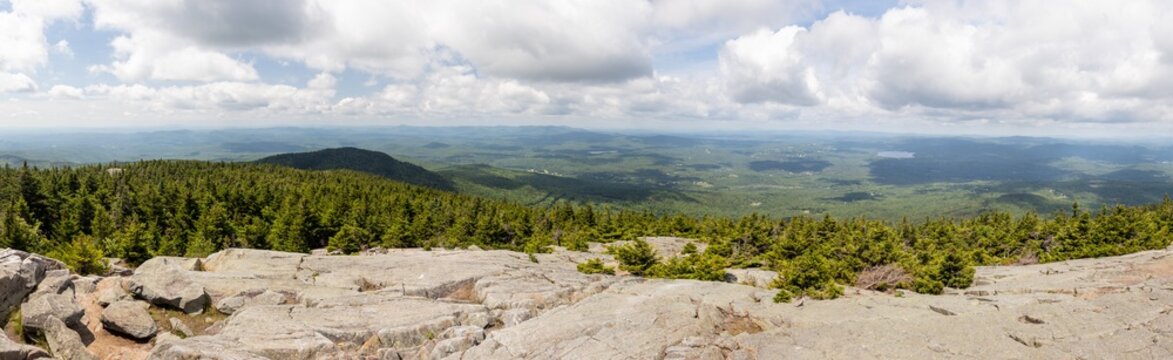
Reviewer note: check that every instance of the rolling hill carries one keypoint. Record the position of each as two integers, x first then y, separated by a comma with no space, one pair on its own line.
373,162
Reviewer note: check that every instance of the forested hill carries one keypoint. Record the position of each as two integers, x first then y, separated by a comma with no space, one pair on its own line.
157,208
373,162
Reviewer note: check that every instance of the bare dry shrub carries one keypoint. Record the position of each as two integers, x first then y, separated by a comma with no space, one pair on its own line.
883,277
1027,258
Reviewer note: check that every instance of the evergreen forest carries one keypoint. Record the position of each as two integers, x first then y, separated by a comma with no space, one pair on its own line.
135,211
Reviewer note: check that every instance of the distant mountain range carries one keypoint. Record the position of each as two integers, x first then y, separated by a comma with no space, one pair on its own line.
373,162
478,179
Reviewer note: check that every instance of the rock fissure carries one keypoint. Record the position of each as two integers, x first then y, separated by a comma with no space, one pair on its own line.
499,305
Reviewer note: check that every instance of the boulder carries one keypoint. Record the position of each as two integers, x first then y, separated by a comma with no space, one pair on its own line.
85,284
52,299
112,295
166,283
129,318
65,343
20,273
10,350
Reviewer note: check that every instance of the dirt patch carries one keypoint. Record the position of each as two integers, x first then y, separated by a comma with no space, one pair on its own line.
465,292
12,326
107,345
1137,274
737,324
198,323
365,285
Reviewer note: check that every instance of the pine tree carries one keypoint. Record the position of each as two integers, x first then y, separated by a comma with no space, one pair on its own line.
17,233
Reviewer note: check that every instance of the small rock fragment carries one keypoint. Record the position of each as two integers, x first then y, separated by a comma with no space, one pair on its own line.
942,311
1026,342
181,328
1030,320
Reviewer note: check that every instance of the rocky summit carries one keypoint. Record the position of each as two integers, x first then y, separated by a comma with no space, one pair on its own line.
472,304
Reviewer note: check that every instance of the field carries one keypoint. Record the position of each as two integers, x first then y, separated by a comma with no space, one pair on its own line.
780,175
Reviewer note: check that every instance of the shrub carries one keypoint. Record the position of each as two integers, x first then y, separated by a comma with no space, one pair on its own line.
635,257
595,266
688,249
928,286
809,275
706,267
82,255
349,239
955,272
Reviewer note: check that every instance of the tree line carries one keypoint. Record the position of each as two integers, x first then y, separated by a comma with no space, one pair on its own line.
189,208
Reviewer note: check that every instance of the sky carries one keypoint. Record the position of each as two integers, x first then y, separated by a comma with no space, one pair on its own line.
1093,68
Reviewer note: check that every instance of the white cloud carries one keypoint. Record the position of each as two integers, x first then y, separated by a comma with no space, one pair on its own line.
217,96
175,40
48,9
62,47
684,24
953,60
454,90
538,40
572,40
66,92
24,48
154,56
22,31
24,43
948,63
323,81
765,67
11,83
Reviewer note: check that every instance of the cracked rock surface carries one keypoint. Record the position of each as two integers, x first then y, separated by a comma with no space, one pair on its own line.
403,304
500,305
415,304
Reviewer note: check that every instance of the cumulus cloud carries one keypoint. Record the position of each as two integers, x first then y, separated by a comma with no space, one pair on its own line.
62,47
25,49
1025,63
765,67
10,83
1085,60
65,92
216,97
150,55
537,40
48,9
24,43
684,24
454,90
